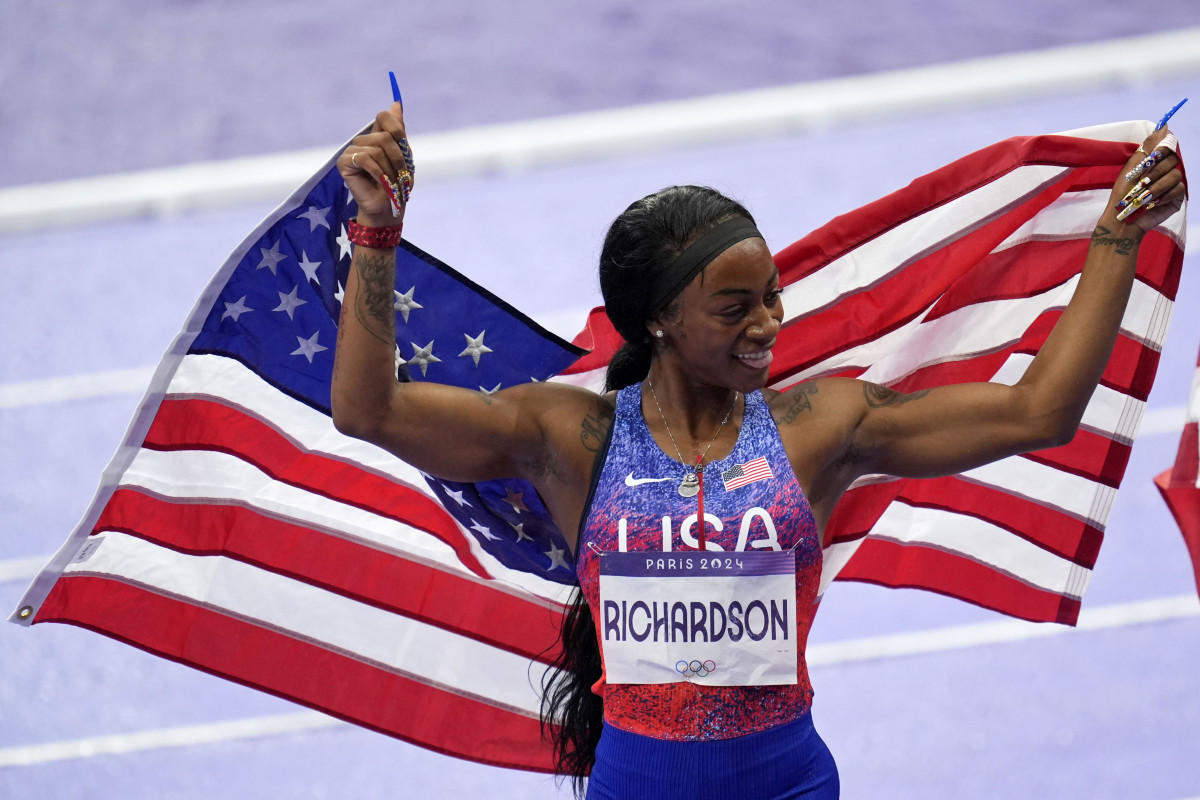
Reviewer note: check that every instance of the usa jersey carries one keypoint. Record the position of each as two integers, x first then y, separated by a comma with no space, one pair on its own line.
752,501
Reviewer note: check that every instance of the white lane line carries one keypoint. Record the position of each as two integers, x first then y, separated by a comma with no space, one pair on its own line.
185,736
75,387
556,140
21,569
824,655
1001,632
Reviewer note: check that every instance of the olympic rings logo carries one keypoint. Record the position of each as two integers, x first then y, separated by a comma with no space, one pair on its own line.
695,669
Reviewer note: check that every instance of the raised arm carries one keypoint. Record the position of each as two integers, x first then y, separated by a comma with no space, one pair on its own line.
527,431
949,429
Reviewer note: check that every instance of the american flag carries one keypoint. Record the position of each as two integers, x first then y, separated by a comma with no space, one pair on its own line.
1180,485
237,531
739,475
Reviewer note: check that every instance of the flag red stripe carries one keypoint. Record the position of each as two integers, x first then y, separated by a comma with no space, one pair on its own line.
1159,266
913,286
195,424
243,652
1048,528
1130,370
1089,455
855,228
386,579
809,339
888,563
1007,274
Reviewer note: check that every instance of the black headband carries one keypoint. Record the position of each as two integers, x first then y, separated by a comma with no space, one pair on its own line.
697,256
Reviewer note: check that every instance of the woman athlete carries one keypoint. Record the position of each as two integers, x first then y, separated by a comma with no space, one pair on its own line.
691,286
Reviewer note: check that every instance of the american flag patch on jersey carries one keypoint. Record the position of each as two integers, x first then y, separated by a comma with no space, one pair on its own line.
739,475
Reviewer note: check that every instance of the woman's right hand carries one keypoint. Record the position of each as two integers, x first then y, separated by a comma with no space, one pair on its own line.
366,161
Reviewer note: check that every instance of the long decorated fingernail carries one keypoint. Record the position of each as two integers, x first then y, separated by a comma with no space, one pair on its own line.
1170,114
393,193
1138,202
1146,163
407,153
396,90
1136,189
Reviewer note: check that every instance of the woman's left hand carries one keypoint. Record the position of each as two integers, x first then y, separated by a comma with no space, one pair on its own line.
1158,190
373,158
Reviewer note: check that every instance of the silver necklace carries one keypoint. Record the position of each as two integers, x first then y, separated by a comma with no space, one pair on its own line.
690,485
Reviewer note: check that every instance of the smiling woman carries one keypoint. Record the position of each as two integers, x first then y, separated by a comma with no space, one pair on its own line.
721,464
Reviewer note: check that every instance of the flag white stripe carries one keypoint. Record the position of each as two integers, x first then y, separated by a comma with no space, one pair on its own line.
980,541
1047,486
969,537
874,260
429,653
1034,482
219,477
1110,412
1073,216
979,328
229,381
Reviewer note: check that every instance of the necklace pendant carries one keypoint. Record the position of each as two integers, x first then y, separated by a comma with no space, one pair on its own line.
690,485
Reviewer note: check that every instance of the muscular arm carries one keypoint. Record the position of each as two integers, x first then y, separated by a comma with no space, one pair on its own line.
547,433
953,428
447,431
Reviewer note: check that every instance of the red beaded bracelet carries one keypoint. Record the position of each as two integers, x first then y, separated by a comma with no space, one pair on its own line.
375,238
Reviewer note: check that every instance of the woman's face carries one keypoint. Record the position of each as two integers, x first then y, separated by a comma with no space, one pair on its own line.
728,318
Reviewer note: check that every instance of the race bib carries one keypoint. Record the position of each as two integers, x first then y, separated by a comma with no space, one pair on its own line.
713,618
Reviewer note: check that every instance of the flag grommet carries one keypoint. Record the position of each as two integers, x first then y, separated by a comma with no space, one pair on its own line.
25,612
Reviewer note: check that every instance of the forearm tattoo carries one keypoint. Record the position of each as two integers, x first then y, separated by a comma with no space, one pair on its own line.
800,401
375,304
1124,245
879,396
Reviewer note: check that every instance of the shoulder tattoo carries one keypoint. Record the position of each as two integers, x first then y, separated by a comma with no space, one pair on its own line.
799,400
879,396
594,430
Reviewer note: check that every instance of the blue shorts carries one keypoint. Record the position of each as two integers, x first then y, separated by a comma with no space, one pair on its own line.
781,763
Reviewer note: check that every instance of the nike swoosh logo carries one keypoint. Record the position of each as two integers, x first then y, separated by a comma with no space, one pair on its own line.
632,481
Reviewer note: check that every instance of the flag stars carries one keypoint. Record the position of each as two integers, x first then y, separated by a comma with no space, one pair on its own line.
236,309
423,357
308,347
310,268
516,500
485,532
492,390
475,347
555,554
343,243
270,258
290,302
522,536
458,498
317,218
404,303
340,294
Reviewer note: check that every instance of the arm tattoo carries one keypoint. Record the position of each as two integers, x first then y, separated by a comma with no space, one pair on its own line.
1123,245
594,432
880,396
375,304
801,401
